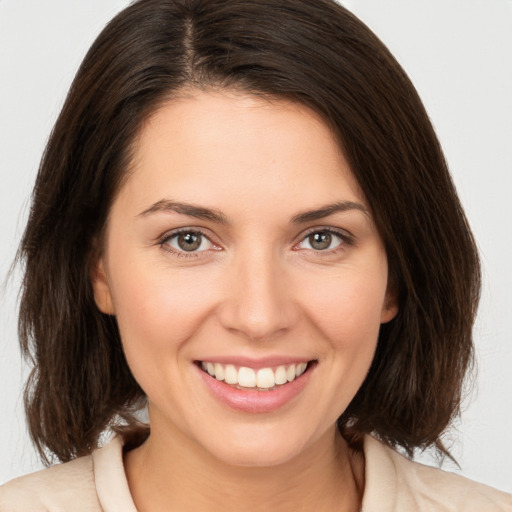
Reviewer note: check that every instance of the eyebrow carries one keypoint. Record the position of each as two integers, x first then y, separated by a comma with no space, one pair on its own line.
325,211
200,212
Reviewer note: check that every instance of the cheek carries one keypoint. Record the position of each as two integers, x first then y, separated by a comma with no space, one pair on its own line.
157,312
348,316
348,307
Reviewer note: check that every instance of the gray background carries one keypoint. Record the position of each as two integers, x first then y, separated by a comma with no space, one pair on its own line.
459,55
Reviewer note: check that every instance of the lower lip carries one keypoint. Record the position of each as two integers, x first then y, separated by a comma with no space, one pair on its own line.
251,400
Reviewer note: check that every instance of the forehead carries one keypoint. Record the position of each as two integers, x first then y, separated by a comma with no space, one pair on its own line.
212,147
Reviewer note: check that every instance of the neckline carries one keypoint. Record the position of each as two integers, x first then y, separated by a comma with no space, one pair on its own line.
114,493
110,478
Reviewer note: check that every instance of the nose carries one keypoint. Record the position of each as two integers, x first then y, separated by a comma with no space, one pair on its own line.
258,303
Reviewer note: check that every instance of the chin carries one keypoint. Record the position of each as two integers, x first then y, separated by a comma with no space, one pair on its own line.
257,456
255,448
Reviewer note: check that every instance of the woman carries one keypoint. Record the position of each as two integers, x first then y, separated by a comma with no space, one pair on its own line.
243,219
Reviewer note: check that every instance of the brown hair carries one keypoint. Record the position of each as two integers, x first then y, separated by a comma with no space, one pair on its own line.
310,51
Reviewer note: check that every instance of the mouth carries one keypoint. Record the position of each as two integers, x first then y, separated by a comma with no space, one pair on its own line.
262,379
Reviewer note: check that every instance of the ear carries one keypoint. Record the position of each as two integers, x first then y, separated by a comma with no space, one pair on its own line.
390,307
101,288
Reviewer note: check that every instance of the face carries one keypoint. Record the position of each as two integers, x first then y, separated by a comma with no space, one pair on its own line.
246,275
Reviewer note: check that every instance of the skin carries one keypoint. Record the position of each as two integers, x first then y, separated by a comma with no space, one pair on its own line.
256,287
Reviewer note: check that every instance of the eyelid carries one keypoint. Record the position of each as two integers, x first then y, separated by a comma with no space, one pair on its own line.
165,237
346,237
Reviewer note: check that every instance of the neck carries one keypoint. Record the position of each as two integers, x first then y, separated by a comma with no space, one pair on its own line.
170,472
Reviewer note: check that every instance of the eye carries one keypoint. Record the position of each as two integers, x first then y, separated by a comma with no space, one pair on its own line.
187,241
322,240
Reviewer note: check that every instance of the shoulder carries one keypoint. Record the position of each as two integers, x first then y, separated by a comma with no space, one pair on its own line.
53,489
402,485
95,483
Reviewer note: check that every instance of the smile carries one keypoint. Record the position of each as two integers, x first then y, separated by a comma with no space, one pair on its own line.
263,379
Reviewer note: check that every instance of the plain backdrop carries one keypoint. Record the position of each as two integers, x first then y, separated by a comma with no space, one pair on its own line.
458,53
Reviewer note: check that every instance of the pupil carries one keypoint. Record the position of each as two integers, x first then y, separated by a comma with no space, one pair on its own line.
320,241
189,241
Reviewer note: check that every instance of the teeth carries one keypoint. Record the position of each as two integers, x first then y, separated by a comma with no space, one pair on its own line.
264,378
280,376
246,377
301,368
230,374
219,371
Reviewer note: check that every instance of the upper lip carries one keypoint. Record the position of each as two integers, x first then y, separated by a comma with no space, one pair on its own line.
256,363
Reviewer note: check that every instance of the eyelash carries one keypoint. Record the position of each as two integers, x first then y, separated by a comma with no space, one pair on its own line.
345,240
167,237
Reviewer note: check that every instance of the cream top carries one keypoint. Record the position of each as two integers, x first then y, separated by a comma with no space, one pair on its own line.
392,484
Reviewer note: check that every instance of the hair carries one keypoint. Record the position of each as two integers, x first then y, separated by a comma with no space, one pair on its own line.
315,53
